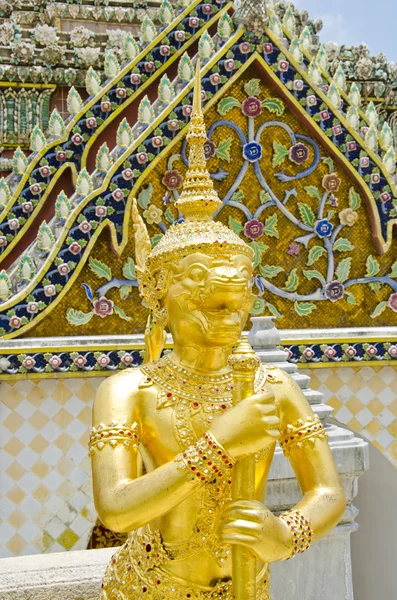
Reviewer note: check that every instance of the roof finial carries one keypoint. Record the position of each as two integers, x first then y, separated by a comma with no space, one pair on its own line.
198,200
197,90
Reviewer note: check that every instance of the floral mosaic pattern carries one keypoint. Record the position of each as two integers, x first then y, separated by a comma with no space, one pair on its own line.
315,214
354,352
33,364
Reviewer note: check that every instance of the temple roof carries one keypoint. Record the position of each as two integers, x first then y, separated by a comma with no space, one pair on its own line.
107,157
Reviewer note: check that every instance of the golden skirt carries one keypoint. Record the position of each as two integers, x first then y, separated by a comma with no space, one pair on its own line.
136,571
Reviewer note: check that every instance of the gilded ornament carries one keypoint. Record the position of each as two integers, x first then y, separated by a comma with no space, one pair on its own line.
116,433
302,434
301,530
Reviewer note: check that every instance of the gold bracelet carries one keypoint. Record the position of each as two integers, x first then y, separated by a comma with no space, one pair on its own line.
113,434
302,434
302,533
207,460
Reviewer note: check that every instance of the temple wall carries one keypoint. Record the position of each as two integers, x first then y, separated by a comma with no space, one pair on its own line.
45,472
46,498
365,400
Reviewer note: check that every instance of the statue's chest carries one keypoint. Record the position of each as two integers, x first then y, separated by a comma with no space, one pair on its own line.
184,408
183,405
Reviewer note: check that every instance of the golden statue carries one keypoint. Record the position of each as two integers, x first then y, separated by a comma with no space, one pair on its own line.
188,417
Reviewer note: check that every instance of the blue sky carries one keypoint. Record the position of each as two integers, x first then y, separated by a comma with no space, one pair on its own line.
355,21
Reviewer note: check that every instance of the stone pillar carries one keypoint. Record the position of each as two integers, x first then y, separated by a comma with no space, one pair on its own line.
325,570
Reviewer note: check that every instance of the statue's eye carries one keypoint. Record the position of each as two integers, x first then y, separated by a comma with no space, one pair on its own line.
196,274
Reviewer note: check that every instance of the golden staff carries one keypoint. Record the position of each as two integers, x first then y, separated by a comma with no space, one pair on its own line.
244,364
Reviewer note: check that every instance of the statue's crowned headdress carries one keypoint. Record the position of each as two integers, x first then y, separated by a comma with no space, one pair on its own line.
198,203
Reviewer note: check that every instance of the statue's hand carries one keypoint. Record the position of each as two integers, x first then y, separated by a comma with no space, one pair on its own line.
250,524
248,427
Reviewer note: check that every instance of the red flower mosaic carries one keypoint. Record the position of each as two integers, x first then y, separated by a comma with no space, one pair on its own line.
101,211
74,248
63,269
35,189
61,155
172,180
91,122
45,171
252,107
136,78
392,302
103,307
27,207
253,229
77,139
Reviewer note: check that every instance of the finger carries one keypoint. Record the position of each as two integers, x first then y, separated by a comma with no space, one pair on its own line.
267,409
242,526
272,421
243,513
263,397
273,433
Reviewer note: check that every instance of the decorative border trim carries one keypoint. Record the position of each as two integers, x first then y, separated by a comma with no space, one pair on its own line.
100,356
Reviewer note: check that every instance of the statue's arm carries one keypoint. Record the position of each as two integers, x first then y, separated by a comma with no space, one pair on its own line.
124,500
304,443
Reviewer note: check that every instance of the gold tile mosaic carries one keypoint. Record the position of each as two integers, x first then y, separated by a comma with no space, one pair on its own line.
46,499
364,399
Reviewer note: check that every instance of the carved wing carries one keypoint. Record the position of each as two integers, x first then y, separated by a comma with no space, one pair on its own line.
142,239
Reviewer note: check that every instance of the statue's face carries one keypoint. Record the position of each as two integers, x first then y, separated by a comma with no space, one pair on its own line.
209,299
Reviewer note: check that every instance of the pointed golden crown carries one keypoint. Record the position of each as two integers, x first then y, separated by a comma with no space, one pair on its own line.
198,202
